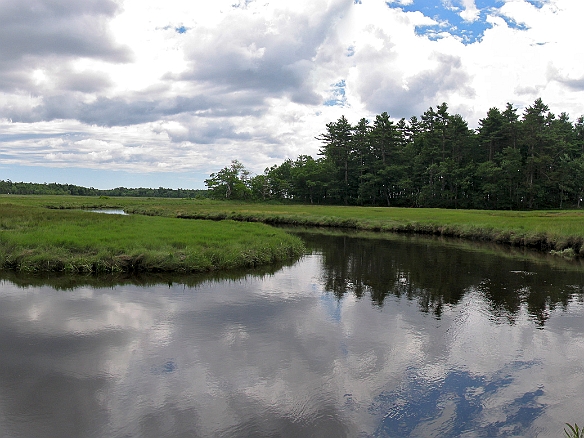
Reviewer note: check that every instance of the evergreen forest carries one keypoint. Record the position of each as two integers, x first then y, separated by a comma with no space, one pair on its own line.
532,160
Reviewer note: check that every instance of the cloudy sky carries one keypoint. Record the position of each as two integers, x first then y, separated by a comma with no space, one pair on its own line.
152,93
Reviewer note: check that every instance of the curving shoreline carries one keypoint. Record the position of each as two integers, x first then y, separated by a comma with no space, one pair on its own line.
557,232
560,245
35,239
157,238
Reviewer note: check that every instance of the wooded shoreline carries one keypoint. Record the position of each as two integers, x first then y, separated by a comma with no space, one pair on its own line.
512,161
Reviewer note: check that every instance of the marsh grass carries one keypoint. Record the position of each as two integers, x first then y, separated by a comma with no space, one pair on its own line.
34,239
542,230
73,280
573,431
561,231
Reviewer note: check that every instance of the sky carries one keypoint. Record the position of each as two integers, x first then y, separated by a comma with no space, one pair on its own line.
151,93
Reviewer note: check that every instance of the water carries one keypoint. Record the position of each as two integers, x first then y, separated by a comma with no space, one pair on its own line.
109,211
365,337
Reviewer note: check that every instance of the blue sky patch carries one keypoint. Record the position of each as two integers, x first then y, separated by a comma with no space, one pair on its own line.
514,24
447,13
537,3
178,29
337,96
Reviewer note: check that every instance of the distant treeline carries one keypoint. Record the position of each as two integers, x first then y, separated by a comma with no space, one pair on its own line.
22,188
530,161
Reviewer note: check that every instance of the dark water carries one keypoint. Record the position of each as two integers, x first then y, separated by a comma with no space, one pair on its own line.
365,337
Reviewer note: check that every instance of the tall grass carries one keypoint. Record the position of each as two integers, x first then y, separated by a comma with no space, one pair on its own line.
33,238
573,431
545,230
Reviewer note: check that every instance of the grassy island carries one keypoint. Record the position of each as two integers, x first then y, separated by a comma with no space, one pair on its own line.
34,238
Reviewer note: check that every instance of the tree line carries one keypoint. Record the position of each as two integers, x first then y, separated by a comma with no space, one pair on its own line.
533,160
8,187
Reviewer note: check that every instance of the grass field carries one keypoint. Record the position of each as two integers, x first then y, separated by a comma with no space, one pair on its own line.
34,238
156,236
545,230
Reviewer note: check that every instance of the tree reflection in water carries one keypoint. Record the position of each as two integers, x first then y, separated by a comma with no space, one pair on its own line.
384,336
437,275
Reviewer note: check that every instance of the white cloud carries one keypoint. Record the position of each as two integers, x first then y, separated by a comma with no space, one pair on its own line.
196,84
470,12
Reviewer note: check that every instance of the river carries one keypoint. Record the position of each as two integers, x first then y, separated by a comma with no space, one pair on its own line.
387,336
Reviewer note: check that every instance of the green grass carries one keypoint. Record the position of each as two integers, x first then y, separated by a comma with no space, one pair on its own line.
34,238
559,231
544,230
573,431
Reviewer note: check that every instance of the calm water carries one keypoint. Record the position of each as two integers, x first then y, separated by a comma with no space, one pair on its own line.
365,337
109,211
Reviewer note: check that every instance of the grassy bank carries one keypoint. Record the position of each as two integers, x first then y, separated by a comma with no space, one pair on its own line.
35,239
559,231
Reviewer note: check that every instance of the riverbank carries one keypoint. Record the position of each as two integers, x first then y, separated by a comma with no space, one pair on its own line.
36,239
561,231
558,231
